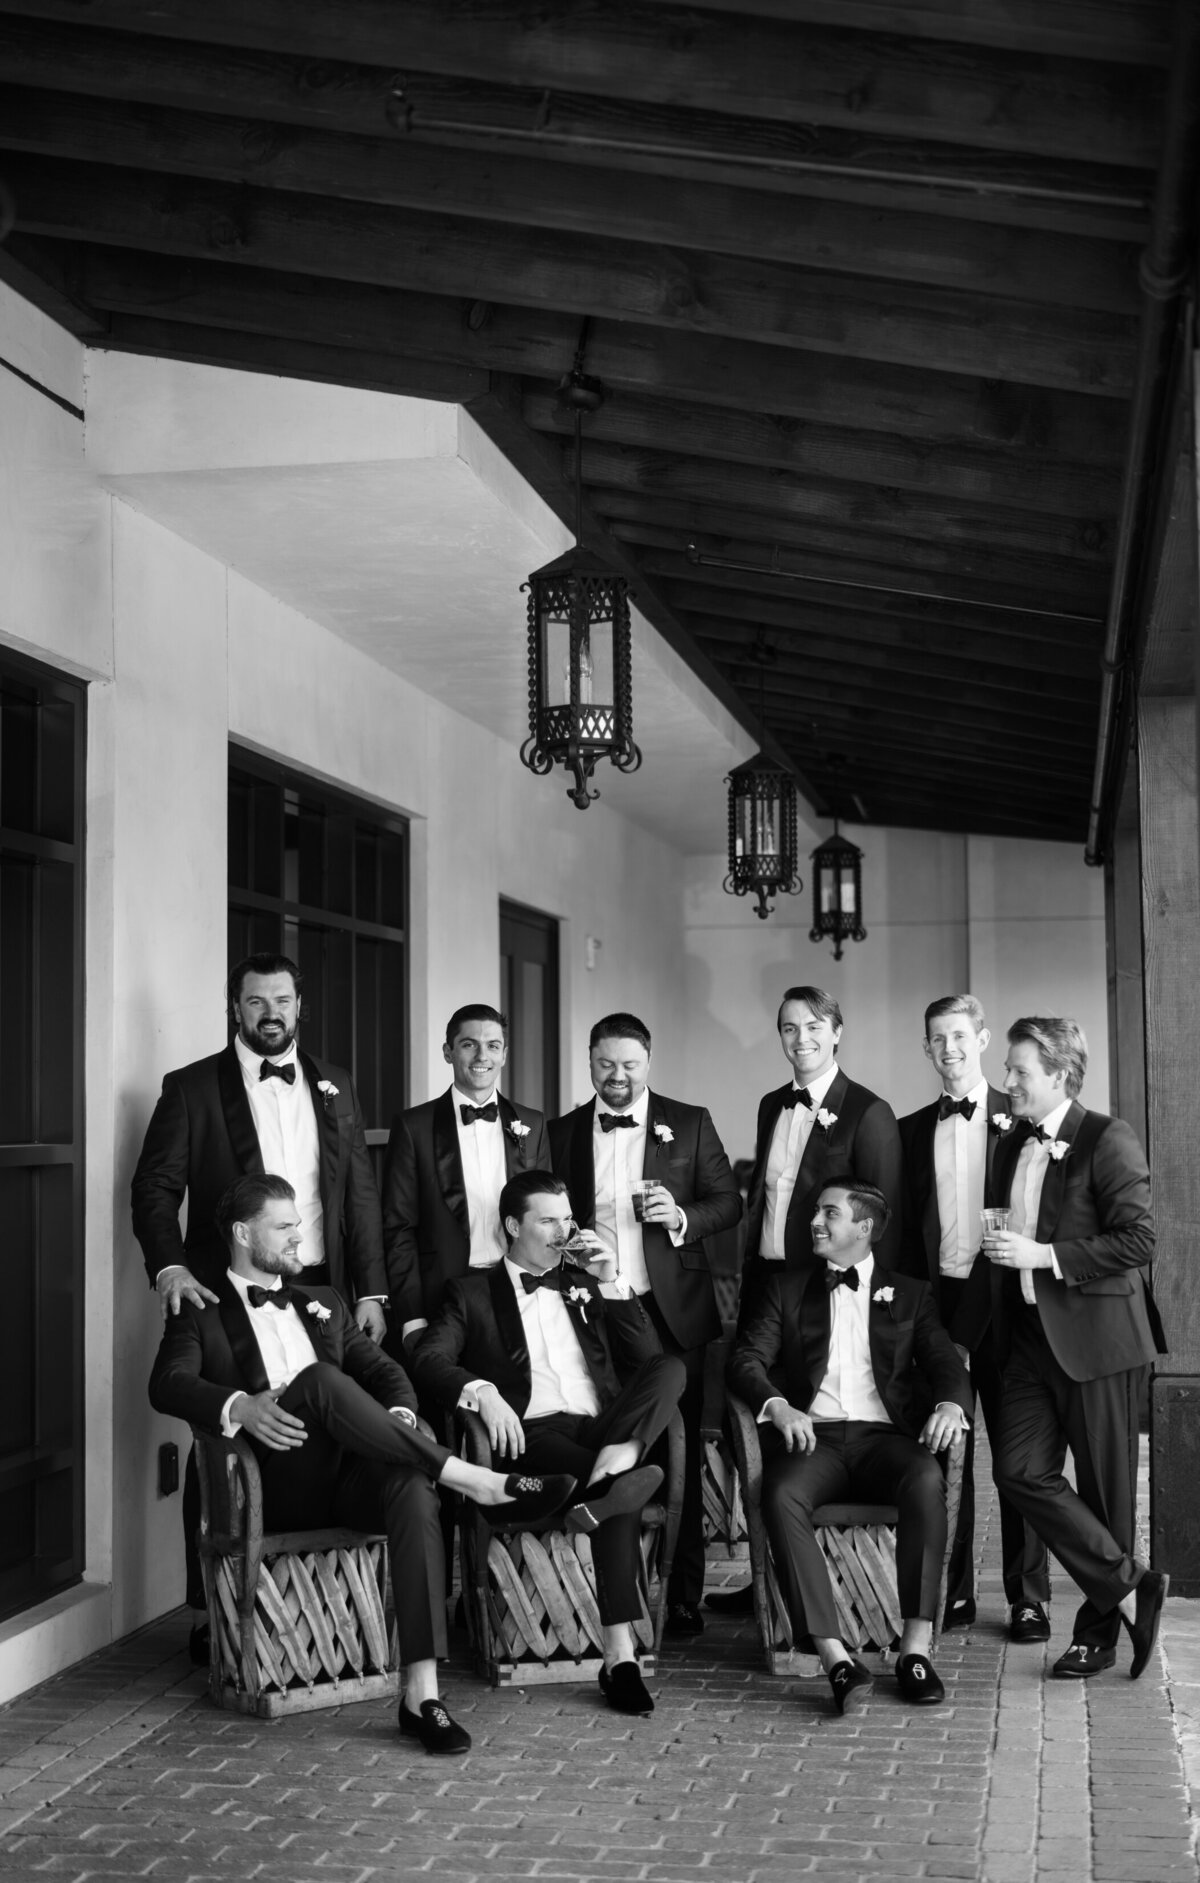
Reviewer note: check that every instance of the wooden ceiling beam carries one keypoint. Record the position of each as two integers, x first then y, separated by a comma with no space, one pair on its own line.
910,515
747,622
589,277
874,458
878,83
939,408
531,192
889,718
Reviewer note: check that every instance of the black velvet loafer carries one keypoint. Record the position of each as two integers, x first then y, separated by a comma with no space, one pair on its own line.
531,1500
1080,1662
918,1681
1150,1594
624,1688
614,1497
853,1685
434,1728
1030,1622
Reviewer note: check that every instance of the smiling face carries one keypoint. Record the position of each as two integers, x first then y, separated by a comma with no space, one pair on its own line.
477,1055
955,1049
1033,1092
835,1234
809,1042
620,1071
267,1012
540,1236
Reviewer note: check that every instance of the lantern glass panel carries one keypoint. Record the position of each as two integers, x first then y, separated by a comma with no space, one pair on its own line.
828,888
556,640
848,897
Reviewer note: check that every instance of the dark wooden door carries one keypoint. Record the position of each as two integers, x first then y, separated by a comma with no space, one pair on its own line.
529,996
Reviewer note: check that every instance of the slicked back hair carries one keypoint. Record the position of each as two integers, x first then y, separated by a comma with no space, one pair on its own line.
619,1026
519,1192
476,1012
864,1200
816,1000
1061,1046
245,1201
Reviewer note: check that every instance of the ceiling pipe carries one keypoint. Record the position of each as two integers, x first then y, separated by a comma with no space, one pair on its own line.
1162,275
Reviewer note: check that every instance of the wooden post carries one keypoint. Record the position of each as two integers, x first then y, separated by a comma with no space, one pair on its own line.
1126,1011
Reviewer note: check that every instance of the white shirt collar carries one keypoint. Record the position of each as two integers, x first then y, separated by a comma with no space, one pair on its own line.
639,1111
242,1282
1052,1122
866,1269
252,1062
468,1098
977,1095
819,1088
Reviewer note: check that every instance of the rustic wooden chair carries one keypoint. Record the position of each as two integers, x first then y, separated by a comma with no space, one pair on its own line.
859,1544
530,1595
296,1618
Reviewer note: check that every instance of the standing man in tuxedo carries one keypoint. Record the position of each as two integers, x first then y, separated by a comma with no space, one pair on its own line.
568,1375
625,1135
1076,1330
841,1362
949,1148
261,1104
332,1422
447,1162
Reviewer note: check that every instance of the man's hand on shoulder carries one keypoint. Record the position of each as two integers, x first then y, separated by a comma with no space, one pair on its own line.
177,1284
259,1415
369,1316
505,1434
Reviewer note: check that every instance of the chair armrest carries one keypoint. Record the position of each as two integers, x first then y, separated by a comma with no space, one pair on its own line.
226,1520
748,1452
471,1432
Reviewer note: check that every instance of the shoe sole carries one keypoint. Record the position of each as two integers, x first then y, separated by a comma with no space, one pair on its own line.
855,1701
1028,1641
1082,1673
632,1492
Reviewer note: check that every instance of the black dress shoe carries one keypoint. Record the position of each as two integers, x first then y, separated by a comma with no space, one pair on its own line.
1080,1662
198,1644
530,1500
1030,1622
614,1497
1149,1596
918,1681
732,1601
959,1614
683,1618
852,1685
434,1728
624,1689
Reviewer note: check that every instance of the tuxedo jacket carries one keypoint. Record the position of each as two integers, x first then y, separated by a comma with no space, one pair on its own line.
685,1155
783,1347
207,1354
478,1334
201,1139
1095,1209
426,1229
921,1231
863,1142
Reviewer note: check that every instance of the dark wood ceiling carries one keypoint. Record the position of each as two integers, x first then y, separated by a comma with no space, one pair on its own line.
860,276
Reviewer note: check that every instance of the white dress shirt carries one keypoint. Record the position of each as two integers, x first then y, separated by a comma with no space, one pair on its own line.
960,1169
618,1159
1025,1197
559,1377
788,1142
485,1173
285,1123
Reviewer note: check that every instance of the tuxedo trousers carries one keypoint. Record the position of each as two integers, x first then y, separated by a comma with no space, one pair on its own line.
569,1441
855,1461
1025,1563
1089,1528
363,1467
686,1582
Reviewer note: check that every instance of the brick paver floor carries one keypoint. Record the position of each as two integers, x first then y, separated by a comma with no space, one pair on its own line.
120,1769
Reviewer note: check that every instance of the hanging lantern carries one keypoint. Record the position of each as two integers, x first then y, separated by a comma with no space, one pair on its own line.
837,892
762,832
580,646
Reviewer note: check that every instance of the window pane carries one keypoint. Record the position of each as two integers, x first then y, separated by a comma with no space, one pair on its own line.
17,1328
18,757
56,1003
393,879
17,957
366,874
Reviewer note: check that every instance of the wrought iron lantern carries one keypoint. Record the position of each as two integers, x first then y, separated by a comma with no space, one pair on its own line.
837,892
762,832
580,646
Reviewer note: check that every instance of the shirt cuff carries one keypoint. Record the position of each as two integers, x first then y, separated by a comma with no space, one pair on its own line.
404,1412
370,1298
616,1290
411,1327
468,1399
166,1269
230,1427
952,1405
764,1417
1058,1274
679,1236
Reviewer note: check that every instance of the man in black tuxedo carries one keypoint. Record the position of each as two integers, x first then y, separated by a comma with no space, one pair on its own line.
332,1420
626,1136
568,1374
447,1162
261,1104
1076,1330
840,1361
949,1148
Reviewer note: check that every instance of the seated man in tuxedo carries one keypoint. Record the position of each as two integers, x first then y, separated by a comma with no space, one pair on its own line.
332,1422
534,1347
840,1361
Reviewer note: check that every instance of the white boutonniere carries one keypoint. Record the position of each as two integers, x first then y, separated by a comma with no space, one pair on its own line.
517,1130
883,1294
322,1313
664,1134
826,1119
1001,1122
1057,1149
327,1089
580,1298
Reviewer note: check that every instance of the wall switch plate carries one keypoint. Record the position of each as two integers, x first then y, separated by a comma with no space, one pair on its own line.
168,1470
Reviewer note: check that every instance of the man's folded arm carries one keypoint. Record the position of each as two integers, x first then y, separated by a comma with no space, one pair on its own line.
176,1384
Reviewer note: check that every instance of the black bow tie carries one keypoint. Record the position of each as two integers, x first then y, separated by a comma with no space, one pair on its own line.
1036,1131
271,1071
475,1114
549,1278
269,1297
617,1121
947,1106
799,1095
840,1277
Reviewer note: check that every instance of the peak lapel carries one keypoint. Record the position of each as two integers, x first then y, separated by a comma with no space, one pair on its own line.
508,1318
514,1148
239,1119
1054,1183
448,1160
327,1130
581,1180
